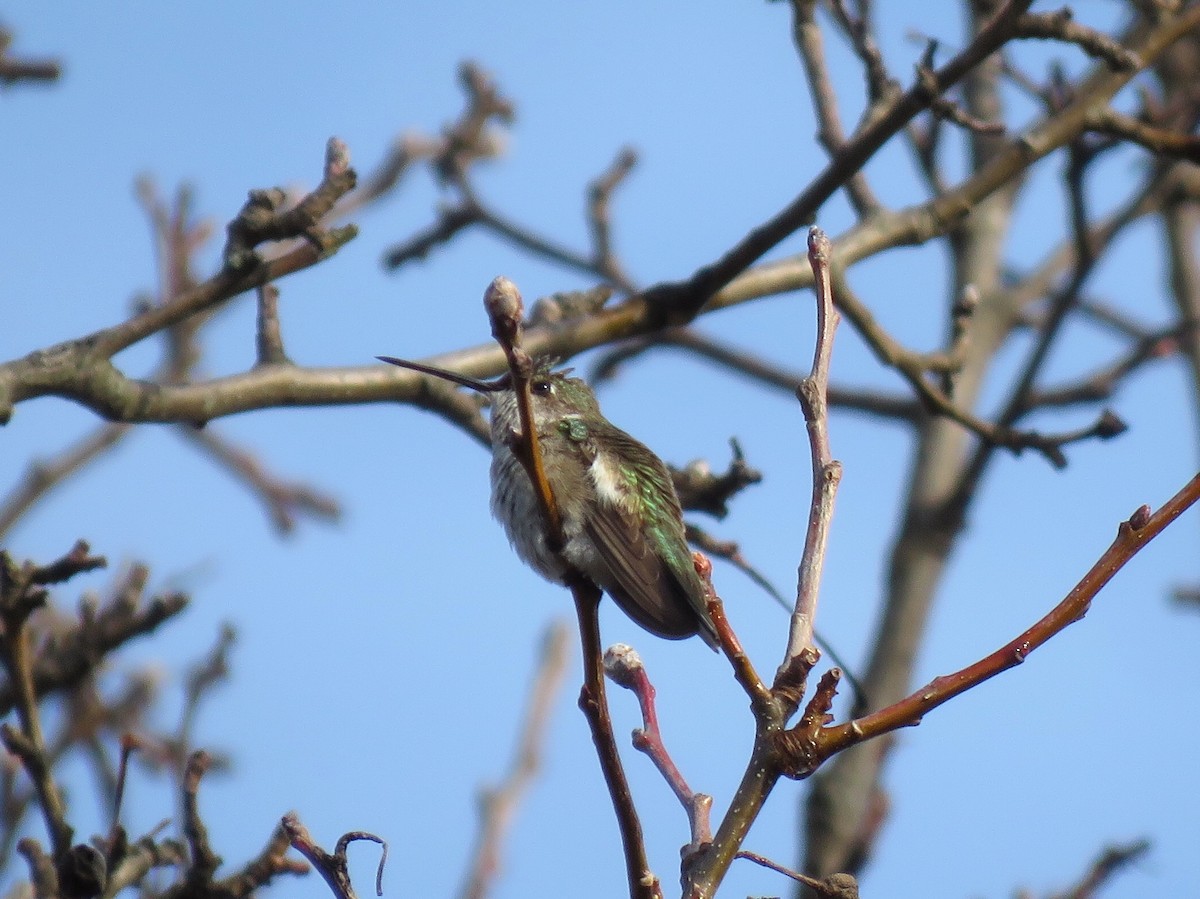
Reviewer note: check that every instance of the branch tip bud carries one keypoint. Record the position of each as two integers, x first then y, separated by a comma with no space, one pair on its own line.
622,664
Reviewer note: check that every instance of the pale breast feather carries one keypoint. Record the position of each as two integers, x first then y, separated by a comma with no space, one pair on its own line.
611,486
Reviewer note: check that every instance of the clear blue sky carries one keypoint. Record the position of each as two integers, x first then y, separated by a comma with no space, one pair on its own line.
382,662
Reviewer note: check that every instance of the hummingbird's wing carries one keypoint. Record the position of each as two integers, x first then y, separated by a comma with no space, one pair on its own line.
638,536
636,578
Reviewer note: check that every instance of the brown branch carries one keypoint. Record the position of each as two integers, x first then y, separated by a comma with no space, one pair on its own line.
263,218
401,156
77,650
1060,26
914,366
700,489
14,71
41,869
1132,535
201,678
524,238
1159,141
1107,865
753,366
1187,597
1103,383
43,475
141,857
203,861
593,701
679,302
334,868
451,220
263,868
600,193
283,499
268,334
460,409
465,142
881,86
468,139
498,805
22,591
260,220
65,370
806,34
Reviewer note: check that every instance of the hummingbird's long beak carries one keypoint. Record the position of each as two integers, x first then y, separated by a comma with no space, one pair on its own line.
500,383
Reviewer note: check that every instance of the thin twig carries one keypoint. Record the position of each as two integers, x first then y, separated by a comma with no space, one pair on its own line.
826,471
43,475
679,302
282,499
600,193
1107,865
333,867
623,664
806,34
836,886
1132,535
498,804
204,861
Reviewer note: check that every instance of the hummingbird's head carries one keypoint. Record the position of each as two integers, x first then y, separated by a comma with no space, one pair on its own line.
556,396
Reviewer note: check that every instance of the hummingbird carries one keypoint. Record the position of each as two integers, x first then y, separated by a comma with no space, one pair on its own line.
621,519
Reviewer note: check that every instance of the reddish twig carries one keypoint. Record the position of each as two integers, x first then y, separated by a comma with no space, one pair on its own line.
744,672
623,664
1132,535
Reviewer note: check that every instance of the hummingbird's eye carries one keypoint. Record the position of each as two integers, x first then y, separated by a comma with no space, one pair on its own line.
542,388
